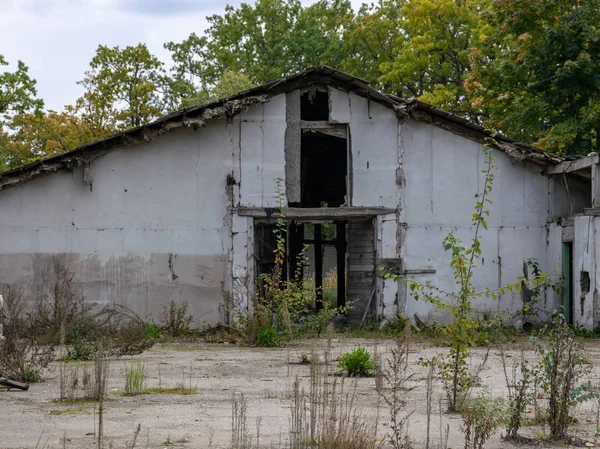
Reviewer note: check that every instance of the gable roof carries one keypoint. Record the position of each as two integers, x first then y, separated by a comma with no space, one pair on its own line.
197,116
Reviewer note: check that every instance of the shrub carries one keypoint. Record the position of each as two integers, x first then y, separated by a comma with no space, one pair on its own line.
152,331
357,362
268,338
561,373
82,348
481,415
175,320
23,353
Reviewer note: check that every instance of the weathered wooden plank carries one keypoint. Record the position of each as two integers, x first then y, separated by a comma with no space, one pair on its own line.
577,164
315,213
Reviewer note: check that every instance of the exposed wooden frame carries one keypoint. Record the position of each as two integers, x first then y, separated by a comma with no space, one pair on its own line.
319,213
576,165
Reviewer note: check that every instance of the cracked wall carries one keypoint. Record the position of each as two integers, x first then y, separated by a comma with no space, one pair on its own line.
442,173
160,221
150,230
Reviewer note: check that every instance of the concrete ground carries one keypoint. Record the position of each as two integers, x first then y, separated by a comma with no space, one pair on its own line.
33,419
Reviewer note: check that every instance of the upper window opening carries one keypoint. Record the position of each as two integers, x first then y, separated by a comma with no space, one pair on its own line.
323,170
314,106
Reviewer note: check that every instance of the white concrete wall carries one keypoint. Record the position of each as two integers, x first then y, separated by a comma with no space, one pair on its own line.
262,160
157,224
152,228
443,172
374,163
258,136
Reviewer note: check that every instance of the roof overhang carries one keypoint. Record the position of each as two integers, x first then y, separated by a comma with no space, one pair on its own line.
197,116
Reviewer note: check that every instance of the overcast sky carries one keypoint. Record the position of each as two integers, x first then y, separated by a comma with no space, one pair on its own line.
58,38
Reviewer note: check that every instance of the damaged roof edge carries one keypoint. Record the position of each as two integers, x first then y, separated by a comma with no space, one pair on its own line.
427,113
197,116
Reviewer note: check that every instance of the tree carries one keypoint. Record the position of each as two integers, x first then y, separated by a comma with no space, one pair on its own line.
124,83
229,84
430,54
17,96
536,72
265,41
17,90
371,40
41,134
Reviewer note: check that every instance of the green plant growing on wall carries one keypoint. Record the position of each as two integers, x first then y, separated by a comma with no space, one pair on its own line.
533,291
453,367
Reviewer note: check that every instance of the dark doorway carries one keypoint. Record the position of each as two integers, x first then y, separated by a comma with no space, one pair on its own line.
315,255
265,243
324,170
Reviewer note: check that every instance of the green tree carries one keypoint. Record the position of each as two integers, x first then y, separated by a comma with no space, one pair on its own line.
430,54
17,90
124,83
536,72
17,97
40,134
371,41
229,83
264,41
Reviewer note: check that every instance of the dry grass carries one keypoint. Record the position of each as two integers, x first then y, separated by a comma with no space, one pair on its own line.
330,281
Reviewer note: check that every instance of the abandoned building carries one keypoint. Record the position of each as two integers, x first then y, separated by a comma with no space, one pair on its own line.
184,208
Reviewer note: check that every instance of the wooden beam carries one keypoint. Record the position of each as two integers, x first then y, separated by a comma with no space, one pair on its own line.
321,124
341,263
420,271
577,164
315,213
596,186
318,267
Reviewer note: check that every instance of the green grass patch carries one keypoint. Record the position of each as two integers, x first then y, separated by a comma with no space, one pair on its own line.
134,379
175,390
83,410
72,401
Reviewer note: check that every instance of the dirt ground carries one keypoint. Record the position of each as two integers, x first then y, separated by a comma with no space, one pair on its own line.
33,419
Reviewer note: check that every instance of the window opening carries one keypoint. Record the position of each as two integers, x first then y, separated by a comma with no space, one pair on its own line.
323,170
314,106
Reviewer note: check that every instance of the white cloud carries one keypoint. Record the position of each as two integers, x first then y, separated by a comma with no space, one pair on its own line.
58,38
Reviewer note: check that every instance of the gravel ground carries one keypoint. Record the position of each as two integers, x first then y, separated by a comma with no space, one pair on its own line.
265,376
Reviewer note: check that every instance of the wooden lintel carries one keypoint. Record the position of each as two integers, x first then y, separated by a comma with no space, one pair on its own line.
596,186
341,133
317,213
420,271
576,165
594,212
322,124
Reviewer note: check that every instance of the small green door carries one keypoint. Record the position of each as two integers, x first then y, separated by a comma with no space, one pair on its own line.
567,269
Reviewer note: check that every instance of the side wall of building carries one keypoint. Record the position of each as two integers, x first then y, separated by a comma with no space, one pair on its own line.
159,220
443,172
152,227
